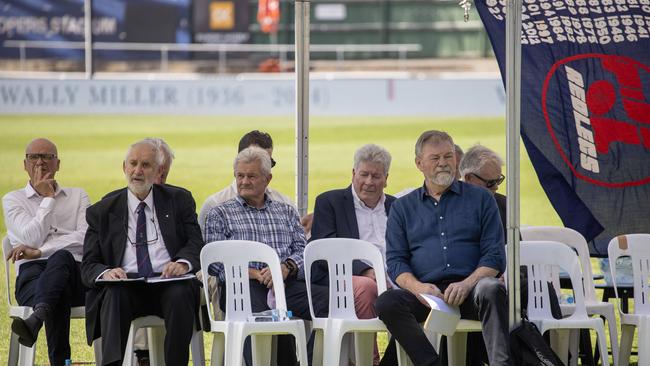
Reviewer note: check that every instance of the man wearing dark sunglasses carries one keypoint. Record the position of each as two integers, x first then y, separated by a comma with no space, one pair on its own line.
482,167
46,224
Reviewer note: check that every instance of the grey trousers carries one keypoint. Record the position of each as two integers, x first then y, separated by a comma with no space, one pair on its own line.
402,313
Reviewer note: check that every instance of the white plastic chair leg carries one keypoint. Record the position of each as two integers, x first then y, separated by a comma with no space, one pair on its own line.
403,358
625,348
610,317
347,350
574,346
27,355
333,343
234,347
317,353
643,341
156,337
364,347
97,348
14,349
456,345
602,343
128,357
196,346
301,343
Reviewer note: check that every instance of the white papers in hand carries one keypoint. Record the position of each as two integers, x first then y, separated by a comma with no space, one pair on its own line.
443,318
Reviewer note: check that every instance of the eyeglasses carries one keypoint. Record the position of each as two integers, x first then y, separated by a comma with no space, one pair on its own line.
149,241
489,183
272,163
44,157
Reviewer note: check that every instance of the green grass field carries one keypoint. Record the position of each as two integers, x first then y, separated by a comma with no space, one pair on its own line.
91,149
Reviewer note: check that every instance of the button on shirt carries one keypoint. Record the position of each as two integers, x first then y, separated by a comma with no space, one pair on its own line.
47,223
158,253
276,224
446,239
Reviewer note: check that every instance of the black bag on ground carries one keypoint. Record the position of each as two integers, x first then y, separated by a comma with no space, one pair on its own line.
528,347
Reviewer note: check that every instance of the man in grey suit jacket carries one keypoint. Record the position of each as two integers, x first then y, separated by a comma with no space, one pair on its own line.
142,231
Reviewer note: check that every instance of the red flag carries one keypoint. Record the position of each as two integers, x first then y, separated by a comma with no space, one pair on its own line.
268,15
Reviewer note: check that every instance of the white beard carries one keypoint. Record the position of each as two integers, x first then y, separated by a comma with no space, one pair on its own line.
443,179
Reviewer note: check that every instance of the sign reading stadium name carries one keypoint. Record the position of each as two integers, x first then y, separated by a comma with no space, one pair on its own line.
252,97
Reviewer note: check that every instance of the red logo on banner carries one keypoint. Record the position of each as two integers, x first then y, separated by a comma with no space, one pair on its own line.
268,15
593,105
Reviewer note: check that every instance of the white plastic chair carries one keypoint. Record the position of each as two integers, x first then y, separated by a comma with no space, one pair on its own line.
594,306
229,334
540,257
156,342
637,247
339,254
19,354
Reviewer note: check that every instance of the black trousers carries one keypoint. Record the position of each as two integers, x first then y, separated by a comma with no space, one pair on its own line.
55,281
176,302
402,313
295,292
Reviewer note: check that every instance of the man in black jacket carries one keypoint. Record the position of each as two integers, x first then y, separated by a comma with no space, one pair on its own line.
142,230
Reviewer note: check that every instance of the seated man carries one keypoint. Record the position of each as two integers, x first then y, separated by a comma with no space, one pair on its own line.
358,212
46,224
144,230
254,215
444,239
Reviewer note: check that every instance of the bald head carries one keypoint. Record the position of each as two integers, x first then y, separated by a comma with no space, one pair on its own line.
41,160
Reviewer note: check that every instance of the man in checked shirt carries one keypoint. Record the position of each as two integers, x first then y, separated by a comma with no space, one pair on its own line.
252,215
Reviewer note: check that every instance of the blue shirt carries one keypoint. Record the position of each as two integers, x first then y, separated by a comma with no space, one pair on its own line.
276,224
446,240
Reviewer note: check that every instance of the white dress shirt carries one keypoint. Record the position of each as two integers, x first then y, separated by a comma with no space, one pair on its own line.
372,222
47,223
228,193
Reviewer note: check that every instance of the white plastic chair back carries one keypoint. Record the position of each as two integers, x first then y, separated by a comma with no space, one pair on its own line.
540,257
573,239
339,254
637,247
235,256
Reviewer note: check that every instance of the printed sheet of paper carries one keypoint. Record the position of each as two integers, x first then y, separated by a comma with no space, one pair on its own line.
443,317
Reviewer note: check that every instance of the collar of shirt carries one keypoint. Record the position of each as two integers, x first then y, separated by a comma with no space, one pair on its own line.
454,188
134,201
242,202
358,203
30,191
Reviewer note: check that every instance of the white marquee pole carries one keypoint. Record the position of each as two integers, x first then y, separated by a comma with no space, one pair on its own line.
88,38
302,103
513,100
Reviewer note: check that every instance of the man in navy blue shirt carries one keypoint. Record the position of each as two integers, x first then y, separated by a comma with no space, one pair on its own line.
444,239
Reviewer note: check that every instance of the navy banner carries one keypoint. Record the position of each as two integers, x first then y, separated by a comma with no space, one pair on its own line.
112,21
585,108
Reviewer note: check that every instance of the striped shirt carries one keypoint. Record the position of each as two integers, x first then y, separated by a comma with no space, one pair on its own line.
276,224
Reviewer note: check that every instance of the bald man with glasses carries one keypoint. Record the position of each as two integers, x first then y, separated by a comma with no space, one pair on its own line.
46,224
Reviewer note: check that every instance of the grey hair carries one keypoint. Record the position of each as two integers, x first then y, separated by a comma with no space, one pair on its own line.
432,136
163,149
372,153
476,157
154,146
251,154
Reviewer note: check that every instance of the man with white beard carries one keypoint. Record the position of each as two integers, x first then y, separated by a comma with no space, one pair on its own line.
444,239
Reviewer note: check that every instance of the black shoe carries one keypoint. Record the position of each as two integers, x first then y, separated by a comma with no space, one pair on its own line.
27,330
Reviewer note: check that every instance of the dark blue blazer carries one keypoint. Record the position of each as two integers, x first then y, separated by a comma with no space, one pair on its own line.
334,217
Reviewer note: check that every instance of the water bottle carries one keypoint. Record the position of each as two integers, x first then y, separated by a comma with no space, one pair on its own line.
567,299
68,362
273,315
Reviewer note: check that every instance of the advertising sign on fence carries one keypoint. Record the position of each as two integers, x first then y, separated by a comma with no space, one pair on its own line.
585,108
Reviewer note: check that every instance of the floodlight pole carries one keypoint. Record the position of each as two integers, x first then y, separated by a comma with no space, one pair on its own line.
88,38
302,103
513,103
